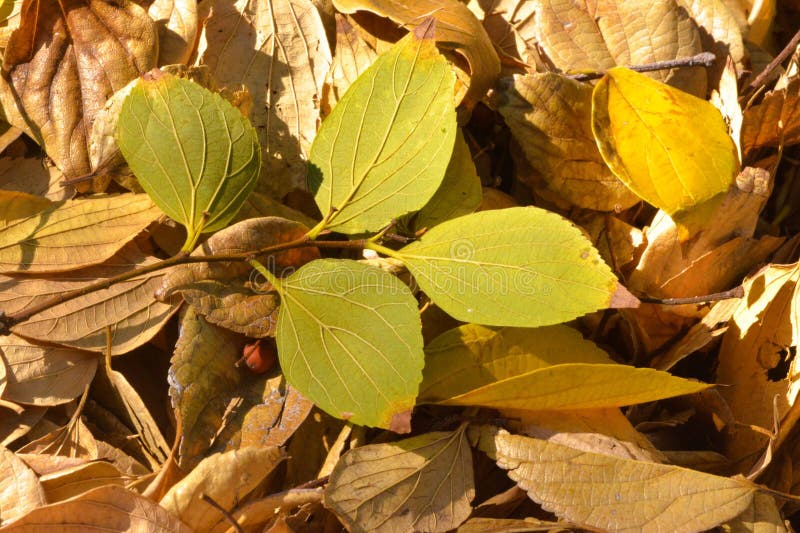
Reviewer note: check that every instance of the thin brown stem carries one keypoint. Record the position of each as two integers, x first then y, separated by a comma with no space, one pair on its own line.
8,321
736,292
780,58
703,59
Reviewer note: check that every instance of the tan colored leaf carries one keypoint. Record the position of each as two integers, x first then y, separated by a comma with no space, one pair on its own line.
776,120
233,295
102,510
509,24
719,28
456,27
44,375
20,490
616,494
243,40
588,35
511,525
551,117
72,234
76,480
226,478
16,423
72,440
419,484
762,516
353,56
20,205
203,378
62,64
34,176
10,20
176,21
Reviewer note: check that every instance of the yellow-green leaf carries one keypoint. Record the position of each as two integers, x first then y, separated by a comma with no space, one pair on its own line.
671,148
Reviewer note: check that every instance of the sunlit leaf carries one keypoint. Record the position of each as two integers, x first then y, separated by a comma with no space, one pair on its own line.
193,152
177,29
349,339
384,149
616,494
20,490
521,266
424,483
671,148
73,481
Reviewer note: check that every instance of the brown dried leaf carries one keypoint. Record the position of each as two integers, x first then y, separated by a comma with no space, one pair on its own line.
128,308
616,494
422,484
203,378
509,24
226,478
719,29
34,176
102,510
456,27
245,39
762,516
17,423
233,295
550,116
353,56
775,121
44,375
176,21
62,64
72,440
20,490
76,480
511,525
598,35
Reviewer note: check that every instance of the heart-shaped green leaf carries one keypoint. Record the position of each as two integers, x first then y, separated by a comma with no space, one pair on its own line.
193,152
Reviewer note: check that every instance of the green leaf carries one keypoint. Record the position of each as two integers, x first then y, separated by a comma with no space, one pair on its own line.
193,152
670,148
349,339
384,148
522,266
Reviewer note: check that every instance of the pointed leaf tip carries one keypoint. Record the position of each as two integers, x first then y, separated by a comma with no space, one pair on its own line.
426,30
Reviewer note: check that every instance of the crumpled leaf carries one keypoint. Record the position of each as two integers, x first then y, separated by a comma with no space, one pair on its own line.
232,294
672,149
72,234
521,266
128,307
424,483
192,151
616,494
456,27
550,115
391,133
551,368
226,478
349,339
597,36
44,374
176,21
20,490
202,379
63,63
104,509
244,39
776,120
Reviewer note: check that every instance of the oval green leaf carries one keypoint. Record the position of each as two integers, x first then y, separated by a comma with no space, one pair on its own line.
522,266
193,152
383,150
669,147
349,339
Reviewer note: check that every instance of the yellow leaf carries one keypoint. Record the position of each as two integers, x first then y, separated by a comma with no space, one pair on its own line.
615,494
671,148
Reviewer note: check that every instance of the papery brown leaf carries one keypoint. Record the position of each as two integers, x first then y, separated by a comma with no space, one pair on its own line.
20,490
776,120
595,36
76,480
226,478
176,21
719,29
309,449
17,423
456,27
233,295
128,308
72,440
511,525
203,378
33,176
353,56
245,39
550,116
44,375
763,516
62,64
102,510
423,483
509,24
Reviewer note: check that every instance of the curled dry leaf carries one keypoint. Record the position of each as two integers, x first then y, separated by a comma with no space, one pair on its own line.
176,21
773,122
226,478
104,509
509,24
20,490
353,56
17,421
44,374
242,40
233,295
63,63
424,483
456,27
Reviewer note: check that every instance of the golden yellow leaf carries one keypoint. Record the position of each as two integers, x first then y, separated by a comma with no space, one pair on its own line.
226,478
616,494
19,205
763,516
20,490
671,148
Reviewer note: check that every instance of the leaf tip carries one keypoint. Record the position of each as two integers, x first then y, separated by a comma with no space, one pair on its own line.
401,422
622,298
426,29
